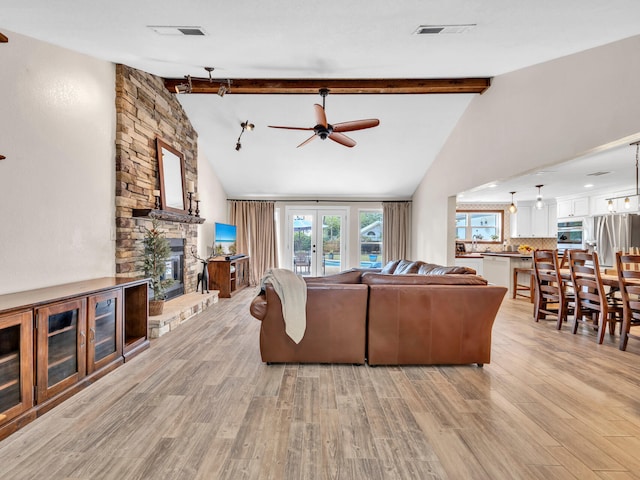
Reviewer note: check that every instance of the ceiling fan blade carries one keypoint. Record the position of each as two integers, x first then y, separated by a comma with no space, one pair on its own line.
356,125
290,128
321,117
342,139
307,141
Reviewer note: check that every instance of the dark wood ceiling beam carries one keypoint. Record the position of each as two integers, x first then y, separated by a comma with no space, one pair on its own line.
335,86
3,38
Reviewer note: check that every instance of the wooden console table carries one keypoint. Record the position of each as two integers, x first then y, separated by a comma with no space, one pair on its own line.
58,340
228,276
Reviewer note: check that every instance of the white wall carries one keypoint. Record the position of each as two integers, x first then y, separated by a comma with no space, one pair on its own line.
57,200
213,205
528,119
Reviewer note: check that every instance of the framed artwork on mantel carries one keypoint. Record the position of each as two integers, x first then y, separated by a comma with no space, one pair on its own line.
172,181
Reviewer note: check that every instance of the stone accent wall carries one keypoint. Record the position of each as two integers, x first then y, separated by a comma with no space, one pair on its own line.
145,110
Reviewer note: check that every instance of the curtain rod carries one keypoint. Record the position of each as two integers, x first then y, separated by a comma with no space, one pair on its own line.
317,201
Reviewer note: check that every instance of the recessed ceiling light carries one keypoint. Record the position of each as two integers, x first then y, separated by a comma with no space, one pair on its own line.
588,185
493,185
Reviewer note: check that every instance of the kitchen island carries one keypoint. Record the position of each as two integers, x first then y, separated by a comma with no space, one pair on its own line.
497,268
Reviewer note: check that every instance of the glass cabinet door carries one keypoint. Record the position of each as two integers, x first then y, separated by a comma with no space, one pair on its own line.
61,349
105,329
16,364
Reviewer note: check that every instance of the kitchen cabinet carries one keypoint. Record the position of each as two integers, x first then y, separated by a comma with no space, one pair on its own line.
529,222
574,207
498,268
472,262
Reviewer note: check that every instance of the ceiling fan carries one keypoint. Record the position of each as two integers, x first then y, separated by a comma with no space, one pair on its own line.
325,130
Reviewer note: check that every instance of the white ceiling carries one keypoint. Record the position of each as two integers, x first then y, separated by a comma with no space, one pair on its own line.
332,39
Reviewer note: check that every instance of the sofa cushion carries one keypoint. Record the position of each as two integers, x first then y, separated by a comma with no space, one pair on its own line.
390,267
406,267
348,276
433,269
417,279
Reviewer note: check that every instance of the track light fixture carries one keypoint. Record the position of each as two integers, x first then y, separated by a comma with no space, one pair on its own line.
185,87
245,126
512,207
627,198
539,202
222,90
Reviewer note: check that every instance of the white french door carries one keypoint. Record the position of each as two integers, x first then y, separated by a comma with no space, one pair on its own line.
316,244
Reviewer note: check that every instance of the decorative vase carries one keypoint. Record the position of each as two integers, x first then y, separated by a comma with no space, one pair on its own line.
155,307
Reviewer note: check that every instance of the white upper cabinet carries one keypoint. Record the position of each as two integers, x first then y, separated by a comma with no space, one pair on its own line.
574,207
529,222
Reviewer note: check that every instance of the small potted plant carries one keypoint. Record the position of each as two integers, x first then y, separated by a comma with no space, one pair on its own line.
156,253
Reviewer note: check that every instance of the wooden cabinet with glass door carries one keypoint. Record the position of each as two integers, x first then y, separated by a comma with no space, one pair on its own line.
61,347
105,329
16,364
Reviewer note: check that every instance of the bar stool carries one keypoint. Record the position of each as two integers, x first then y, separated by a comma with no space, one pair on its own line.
518,287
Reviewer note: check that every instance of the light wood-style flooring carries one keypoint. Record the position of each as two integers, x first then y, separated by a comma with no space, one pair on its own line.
201,405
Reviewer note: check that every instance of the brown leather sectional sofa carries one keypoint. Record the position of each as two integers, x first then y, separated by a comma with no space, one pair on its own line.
408,313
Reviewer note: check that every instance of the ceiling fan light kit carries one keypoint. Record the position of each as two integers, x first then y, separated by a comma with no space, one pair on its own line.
325,130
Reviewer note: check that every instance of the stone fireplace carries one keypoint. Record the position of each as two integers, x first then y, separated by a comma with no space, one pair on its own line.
145,111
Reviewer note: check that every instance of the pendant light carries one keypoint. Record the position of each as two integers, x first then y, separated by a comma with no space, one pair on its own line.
539,202
512,207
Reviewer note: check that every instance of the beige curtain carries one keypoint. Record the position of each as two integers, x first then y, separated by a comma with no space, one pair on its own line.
256,235
396,230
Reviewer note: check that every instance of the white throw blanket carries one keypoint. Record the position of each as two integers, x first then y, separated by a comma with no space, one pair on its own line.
292,290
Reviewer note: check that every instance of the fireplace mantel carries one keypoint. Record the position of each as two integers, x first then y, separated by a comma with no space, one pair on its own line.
166,216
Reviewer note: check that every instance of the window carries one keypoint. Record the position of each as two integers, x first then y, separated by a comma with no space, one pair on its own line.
370,238
479,225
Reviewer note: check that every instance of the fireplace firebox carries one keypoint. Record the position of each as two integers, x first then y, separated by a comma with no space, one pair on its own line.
175,268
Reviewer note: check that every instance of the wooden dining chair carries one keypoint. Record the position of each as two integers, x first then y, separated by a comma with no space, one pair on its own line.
628,269
549,292
569,291
593,307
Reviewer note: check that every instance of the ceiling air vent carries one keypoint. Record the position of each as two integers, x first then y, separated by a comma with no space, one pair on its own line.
597,174
439,29
177,30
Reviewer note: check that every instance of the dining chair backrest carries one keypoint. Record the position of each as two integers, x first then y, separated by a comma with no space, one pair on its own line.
564,261
587,282
550,298
628,269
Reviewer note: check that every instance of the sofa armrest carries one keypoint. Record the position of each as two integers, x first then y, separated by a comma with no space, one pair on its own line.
258,306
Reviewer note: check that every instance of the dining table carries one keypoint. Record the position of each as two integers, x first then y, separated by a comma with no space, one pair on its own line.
608,279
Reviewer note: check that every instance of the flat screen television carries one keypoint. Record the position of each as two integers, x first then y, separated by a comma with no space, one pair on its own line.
224,240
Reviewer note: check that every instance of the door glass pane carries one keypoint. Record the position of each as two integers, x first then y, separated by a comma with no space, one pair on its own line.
63,334
105,334
331,244
370,239
9,367
302,235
